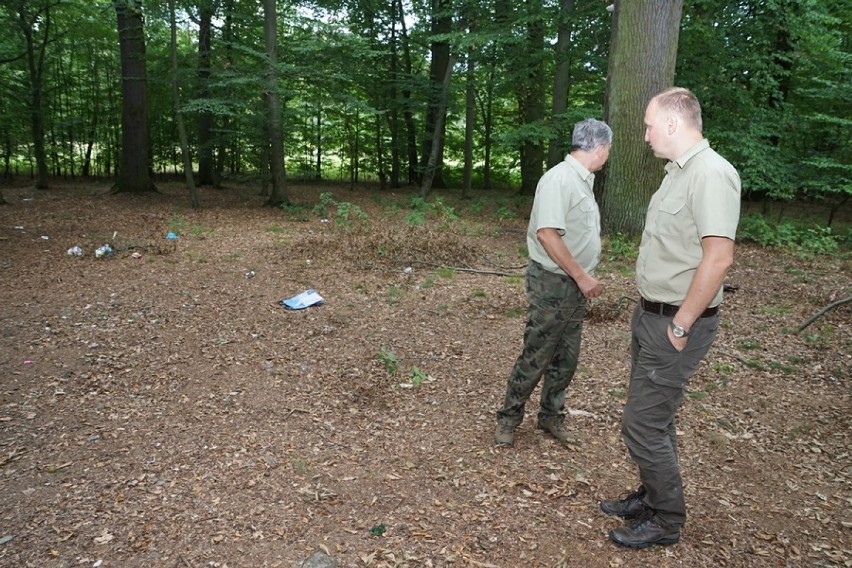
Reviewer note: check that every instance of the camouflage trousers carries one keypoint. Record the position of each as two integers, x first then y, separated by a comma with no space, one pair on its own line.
551,345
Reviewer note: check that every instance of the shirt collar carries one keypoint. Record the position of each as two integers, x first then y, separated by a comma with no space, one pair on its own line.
688,155
587,176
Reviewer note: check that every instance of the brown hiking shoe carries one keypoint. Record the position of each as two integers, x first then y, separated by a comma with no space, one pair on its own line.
631,506
504,435
555,428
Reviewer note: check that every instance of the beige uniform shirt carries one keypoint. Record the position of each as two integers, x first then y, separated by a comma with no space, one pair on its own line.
565,201
699,197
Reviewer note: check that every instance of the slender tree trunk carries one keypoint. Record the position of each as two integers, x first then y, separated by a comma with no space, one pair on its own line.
318,167
225,135
469,118
408,104
134,174
35,53
206,142
435,124
561,142
393,114
181,128
640,66
434,156
278,196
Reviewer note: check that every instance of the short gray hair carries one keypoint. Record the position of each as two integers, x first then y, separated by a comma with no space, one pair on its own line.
589,134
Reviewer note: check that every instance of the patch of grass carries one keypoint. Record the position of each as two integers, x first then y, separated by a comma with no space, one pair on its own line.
779,366
478,294
516,313
195,256
723,369
754,364
446,272
233,257
506,213
749,344
618,393
696,395
394,294
198,230
514,279
821,338
427,283
177,223
274,229
776,310
795,359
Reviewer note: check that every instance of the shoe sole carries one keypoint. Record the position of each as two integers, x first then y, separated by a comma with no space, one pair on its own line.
644,544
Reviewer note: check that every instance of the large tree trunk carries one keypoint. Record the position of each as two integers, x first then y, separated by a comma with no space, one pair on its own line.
278,196
134,175
561,141
642,63
206,142
530,94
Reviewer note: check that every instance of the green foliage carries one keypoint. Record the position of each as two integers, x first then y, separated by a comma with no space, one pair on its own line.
622,247
389,360
807,242
345,214
416,376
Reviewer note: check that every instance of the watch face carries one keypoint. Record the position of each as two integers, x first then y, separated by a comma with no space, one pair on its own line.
677,331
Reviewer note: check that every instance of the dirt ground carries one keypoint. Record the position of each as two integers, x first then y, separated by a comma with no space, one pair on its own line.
158,407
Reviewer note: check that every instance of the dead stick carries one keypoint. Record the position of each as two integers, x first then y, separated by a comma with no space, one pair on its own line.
822,312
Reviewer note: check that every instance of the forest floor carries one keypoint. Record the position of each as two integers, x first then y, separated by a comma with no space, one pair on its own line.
159,407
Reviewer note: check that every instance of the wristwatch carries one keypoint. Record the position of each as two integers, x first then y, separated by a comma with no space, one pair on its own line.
678,331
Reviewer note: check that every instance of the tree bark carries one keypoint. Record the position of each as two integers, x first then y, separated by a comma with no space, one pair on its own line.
432,163
561,141
181,127
206,10
278,195
134,175
32,25
642,63
435,122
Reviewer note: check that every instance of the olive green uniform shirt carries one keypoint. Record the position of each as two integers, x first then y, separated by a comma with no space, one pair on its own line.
565,201
699,197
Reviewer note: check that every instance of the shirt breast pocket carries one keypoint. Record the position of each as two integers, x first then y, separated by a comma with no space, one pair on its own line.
671,218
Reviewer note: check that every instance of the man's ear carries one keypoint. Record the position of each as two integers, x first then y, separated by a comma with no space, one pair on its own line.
671,123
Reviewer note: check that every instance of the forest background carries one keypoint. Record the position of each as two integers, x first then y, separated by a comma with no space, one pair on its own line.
159,407
463,94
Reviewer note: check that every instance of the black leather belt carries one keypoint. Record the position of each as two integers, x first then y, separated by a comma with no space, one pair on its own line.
669,310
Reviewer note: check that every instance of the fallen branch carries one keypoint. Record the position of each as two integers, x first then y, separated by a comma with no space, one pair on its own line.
822,312
461,269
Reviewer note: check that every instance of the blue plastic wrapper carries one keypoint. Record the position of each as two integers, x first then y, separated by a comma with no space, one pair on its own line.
304,300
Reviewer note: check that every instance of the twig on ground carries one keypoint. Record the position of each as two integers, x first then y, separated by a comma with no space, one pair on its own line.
822,312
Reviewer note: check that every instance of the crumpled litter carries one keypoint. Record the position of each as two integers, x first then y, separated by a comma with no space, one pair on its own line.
304,300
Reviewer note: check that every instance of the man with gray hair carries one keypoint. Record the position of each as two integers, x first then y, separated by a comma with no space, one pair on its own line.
564,244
